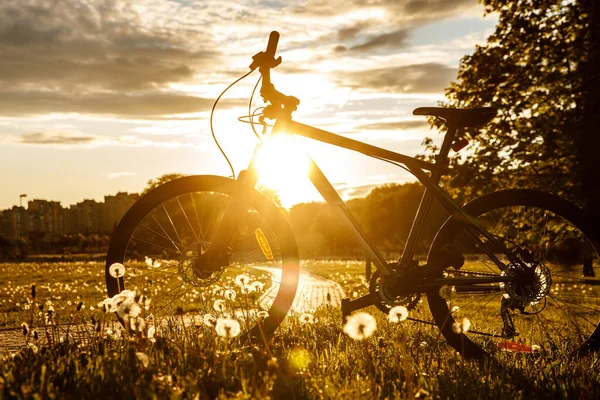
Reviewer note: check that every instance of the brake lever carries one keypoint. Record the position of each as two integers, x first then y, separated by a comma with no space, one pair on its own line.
262,59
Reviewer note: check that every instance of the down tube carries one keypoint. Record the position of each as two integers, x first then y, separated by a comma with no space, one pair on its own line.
342,211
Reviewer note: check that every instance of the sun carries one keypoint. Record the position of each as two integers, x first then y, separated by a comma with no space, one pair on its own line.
283,166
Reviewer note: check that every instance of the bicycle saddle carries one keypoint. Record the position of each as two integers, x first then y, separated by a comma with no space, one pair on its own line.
460,117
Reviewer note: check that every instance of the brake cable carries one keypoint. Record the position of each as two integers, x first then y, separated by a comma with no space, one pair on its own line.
211,122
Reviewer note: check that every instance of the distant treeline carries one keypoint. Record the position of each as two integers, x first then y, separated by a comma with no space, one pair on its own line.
40,243
386,215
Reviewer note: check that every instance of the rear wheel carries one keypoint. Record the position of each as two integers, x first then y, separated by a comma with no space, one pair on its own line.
552,305
161,238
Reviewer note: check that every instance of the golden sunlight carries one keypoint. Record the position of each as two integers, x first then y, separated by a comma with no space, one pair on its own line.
283,167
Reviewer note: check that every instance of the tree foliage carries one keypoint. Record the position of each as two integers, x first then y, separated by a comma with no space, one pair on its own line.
153,183
533,69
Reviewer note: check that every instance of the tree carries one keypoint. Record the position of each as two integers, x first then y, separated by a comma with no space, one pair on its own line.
153,183
534,69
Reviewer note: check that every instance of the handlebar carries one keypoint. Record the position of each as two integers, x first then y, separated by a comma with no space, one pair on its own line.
272,45
264,61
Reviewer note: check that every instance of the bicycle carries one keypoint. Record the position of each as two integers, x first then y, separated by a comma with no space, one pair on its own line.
509,261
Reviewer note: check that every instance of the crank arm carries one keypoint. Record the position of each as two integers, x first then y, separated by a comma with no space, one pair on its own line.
349,306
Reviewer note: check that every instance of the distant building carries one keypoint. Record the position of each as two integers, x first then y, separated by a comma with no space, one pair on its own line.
45,217
50,218
13,223
115,207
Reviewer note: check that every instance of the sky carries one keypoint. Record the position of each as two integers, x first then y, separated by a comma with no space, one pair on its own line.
100,96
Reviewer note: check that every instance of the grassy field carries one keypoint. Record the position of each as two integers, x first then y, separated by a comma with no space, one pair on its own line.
303,360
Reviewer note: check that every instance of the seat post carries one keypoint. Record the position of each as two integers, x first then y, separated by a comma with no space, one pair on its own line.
441,159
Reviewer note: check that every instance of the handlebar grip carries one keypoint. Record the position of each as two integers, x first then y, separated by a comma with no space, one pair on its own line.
272,45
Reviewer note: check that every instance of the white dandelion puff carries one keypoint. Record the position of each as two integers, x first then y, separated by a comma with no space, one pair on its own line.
209,320
307,318
219,305
461,326
116,270
257,286
262,314
230,294
242,280
246,289
128,309
397,314
447,292
151,333
455,309
228,328
360,326
143,358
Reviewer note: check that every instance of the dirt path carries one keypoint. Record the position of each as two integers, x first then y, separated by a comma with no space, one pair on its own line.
313,291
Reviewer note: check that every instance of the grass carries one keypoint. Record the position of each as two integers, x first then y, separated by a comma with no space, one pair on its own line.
318,360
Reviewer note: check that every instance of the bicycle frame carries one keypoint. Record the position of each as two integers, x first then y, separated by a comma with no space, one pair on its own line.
415,166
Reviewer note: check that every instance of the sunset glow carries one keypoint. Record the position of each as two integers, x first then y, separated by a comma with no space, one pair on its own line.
283,166
108,96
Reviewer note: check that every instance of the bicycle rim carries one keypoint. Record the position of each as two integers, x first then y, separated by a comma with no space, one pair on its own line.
162,236
553,304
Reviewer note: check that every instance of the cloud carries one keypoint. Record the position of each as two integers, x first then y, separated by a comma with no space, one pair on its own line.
75,139
56,139
114,175
143,105
395,125
382,25
95,52
414,78
358,191
391,40
405,11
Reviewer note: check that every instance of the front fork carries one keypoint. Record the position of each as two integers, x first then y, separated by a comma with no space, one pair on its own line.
217,254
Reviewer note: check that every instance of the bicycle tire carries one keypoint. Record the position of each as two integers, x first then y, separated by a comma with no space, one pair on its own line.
487,209
191,233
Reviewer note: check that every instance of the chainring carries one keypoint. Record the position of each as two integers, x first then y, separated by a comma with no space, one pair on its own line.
410,302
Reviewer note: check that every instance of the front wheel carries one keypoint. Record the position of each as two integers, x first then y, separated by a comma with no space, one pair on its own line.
551,299
161,238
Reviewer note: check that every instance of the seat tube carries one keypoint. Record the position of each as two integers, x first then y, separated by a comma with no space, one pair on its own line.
441,160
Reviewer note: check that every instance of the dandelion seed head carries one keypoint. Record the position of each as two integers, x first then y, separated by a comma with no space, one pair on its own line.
142,358
227,327
209,320
257,286
307,318
461,326
397,314
219,305
116,270
230,294
151,332
246,289
242,280
360,326
262,314
447,292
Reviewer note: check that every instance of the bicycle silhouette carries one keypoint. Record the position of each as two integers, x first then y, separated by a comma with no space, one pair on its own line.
510,261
